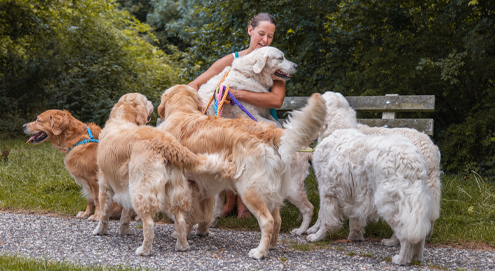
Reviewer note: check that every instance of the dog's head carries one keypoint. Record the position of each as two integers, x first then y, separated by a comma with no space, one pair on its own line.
180,98
268,62
47,126
340,115
134,108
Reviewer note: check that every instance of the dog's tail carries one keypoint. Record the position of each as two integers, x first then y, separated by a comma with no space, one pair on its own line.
303,126
416,203
180,156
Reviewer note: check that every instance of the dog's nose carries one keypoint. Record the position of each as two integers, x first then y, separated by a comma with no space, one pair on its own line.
24,126
295,65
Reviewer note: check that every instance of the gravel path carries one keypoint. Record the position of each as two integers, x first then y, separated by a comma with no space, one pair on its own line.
71,240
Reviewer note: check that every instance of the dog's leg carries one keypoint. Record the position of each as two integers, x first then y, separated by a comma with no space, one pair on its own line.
356,229
265,220
125,218
207,206
329,217
300,200
217,213
392,242
93,182
90,207
148,234
315,227
406,253
277,221
181,231
105,196
418,250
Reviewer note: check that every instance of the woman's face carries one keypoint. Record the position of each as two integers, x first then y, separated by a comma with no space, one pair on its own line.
261,35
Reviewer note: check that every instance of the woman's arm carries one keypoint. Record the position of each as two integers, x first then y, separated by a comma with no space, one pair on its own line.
272,99
214,69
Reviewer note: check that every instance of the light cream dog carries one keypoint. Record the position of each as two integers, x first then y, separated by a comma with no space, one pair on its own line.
255,72
366,177
432,156
142,168
261,150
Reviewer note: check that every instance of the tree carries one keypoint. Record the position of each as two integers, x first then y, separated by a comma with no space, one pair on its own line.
80,55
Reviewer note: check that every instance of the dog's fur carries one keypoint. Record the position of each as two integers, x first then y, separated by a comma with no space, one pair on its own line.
64,131
261,152
366,177
142,168
255,72
432,156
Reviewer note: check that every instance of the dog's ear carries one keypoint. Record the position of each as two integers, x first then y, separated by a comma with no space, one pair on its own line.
161,107
59,122
260,63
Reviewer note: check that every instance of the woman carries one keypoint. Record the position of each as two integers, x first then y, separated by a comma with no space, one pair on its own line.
261,30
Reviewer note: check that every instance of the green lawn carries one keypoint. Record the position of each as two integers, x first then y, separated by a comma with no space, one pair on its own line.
34,178
18,263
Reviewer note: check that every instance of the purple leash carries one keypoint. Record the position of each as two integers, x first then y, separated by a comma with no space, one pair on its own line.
235,101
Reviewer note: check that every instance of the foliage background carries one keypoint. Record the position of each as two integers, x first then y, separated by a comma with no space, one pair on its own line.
83,54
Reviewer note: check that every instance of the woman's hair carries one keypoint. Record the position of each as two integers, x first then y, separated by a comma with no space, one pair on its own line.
261,17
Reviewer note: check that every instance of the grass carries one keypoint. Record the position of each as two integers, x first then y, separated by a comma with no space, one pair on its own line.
34,178
14,262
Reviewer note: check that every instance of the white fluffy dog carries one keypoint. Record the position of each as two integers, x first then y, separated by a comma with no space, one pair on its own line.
432,156
370,177
143,169
255,72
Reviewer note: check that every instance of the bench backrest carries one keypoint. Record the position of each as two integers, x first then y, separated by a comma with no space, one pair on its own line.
388,104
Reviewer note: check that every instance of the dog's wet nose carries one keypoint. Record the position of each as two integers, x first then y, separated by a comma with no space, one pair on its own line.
24,126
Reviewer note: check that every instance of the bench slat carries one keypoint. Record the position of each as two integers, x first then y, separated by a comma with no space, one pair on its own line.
411,103
422,125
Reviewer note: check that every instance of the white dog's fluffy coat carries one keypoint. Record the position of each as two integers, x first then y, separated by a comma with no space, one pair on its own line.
142,168
370,177
255,72
432,156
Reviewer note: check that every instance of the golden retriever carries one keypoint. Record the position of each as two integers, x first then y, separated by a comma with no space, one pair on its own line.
142,168
260,150
65,132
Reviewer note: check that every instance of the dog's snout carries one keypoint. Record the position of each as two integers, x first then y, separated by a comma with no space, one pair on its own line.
24,126
295,65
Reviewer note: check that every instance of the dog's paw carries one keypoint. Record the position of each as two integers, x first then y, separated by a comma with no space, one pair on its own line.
355,236
140,251
82,215
94,217
256,254
101,229
214,222
126,231
181,247
297,231
397,259
202,234
390,242
314,238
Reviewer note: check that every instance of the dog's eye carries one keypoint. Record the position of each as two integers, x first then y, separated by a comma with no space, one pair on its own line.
38,120
281,58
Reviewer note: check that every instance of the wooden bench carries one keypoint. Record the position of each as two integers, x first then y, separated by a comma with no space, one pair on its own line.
388,105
